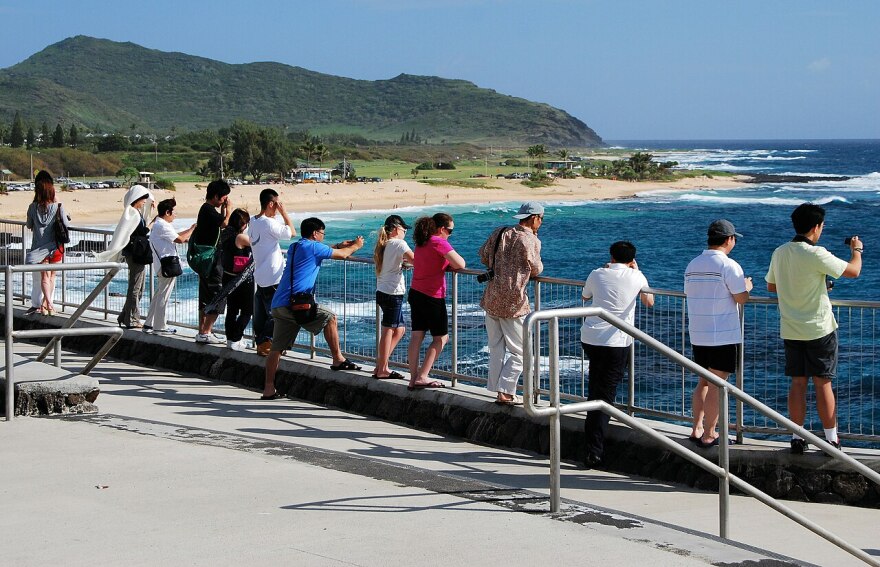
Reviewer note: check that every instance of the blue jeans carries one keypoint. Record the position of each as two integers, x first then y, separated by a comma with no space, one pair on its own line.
263,322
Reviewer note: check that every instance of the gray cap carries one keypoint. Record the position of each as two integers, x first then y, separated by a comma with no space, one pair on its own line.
723,228
528,209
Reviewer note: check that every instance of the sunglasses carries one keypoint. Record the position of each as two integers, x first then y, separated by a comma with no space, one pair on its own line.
449,230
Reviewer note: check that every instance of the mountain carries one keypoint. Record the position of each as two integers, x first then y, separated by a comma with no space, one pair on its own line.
108,86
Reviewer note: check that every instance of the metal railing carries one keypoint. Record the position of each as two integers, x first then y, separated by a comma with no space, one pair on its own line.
557,409
657,388
55,335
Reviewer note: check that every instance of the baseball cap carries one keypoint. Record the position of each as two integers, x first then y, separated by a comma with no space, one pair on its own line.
724,228
396,220
529,209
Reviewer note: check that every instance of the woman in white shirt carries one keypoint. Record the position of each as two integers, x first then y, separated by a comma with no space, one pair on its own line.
163,238
390,254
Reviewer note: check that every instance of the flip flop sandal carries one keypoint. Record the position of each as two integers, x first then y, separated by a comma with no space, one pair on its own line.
392,376
345,365
426,385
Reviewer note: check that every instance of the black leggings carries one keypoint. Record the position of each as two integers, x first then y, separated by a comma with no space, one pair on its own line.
239,309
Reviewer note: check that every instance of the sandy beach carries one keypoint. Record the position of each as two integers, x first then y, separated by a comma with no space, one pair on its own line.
96,207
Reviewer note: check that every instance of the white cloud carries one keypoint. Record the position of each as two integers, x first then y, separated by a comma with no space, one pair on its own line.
819,65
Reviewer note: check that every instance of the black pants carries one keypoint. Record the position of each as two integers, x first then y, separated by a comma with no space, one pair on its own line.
239,308
608,367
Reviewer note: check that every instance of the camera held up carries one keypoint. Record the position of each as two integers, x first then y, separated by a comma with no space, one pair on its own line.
486,276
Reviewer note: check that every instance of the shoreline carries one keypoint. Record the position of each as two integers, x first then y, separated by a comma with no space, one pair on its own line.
104,206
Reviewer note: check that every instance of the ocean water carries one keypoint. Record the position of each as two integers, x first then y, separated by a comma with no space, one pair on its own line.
669,227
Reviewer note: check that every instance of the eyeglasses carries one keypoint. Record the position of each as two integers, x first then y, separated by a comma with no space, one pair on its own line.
321,232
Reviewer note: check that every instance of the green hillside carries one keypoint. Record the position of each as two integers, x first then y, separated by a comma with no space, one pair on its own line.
105,85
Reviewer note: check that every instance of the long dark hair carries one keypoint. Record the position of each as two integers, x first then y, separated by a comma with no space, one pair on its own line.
239,219
426,227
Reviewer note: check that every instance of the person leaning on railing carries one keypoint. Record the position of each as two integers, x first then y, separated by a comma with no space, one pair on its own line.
304,259
427,295
390,255
512,255
809,331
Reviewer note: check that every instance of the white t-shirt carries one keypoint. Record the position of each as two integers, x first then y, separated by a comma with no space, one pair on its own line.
615,289
162,237
266,233
710,282
390,279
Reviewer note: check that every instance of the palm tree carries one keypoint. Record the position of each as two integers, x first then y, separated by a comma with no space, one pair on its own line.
321,151
308,147
563,154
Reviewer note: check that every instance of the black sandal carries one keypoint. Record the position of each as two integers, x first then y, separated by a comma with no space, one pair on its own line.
345,365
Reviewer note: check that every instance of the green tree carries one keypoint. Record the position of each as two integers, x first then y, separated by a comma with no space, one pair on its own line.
58,137
31,138
44,135
641,163
538,151
128,174
321,152
16,134
73,136
309,147
563,154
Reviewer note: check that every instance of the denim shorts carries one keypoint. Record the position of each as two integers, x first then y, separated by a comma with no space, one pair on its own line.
392,309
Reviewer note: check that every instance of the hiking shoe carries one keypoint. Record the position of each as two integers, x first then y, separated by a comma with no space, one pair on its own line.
798,446
264,347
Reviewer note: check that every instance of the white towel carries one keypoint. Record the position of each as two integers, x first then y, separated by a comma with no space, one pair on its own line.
128,222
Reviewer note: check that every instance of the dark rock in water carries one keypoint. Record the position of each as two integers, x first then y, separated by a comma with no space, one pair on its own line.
771,178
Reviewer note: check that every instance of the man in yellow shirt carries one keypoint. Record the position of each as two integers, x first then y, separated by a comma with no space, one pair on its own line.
807,326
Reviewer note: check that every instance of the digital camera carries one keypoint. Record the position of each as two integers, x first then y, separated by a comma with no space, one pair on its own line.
486,276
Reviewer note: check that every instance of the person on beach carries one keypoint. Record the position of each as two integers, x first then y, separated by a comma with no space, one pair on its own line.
213,217
131,242
391,255
809,331
615,288
715,286
304,259
163,238
235,254
266,231
45,248
433,256
512,256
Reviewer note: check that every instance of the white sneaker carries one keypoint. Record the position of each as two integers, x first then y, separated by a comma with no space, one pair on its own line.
208,339
236,345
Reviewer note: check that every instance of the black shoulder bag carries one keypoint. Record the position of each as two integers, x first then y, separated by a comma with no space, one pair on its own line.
170,265
62,234
303,305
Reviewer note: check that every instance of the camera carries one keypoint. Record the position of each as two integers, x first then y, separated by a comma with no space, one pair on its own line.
847,240
486,276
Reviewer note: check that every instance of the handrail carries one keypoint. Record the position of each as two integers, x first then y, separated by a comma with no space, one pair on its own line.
722,471
66,330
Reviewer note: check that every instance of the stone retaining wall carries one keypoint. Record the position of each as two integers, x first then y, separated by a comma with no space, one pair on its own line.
811,477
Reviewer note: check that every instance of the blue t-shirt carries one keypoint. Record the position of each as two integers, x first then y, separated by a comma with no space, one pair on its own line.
306,264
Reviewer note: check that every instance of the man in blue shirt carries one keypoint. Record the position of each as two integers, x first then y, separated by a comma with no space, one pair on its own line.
304,259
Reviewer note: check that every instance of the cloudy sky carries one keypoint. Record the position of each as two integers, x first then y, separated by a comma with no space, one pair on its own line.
630,69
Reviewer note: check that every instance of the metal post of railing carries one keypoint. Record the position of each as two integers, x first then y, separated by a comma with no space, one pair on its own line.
57,354
536,374
24,295
10,368
740,367
107,289
683,370
454,328
344,307
724,463
63,289
555,419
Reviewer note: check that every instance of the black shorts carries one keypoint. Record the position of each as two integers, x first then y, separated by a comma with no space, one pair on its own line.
211,286
392,309
717,357
428,313
817,358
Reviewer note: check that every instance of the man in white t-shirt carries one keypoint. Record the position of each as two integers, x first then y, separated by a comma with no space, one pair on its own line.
714,285
614,288
266,231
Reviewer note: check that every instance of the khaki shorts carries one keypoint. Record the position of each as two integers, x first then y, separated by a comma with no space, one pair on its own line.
286,328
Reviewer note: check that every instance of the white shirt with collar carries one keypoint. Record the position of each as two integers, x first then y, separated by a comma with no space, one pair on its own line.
615,289
710,282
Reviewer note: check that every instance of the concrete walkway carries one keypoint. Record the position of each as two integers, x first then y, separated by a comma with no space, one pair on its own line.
181,470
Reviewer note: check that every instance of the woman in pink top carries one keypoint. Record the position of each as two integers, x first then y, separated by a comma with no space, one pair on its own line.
427,294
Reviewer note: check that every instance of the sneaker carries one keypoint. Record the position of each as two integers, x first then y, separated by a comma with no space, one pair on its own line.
798,446
208,339
592,461
32,311
264,347
835,444
235,345
165,332
147,329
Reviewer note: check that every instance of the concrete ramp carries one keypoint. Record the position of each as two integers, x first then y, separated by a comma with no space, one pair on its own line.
43,389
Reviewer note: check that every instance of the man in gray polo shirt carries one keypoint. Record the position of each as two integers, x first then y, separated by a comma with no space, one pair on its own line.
714,285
